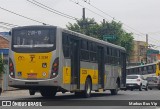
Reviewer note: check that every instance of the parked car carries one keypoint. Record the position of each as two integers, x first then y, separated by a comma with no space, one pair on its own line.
136,82
153,82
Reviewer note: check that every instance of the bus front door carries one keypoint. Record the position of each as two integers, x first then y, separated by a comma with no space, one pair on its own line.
75,64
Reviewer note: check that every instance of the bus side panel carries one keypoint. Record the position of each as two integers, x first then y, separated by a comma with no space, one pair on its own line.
158,69
66,74
66,71
88,69
111,75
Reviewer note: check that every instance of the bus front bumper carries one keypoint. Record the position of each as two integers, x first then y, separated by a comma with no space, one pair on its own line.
25,84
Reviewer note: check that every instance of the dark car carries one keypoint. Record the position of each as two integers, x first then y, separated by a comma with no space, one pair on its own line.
153,82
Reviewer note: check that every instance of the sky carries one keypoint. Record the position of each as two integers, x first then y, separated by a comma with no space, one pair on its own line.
140,17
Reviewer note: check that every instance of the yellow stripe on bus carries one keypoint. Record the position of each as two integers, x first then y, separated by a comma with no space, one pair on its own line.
83,75
88,72
66,75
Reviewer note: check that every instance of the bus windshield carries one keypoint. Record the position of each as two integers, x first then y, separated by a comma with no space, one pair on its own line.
30,38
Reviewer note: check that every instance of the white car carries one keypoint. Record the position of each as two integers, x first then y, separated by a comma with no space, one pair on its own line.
136,82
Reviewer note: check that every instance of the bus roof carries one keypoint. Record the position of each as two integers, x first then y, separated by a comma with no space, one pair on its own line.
94,39
77,34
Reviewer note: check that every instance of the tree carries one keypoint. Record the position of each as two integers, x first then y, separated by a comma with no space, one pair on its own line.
93,29
127,42
88,27
2,68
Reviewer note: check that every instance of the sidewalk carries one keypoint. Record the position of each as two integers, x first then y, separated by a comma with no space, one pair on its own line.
13,93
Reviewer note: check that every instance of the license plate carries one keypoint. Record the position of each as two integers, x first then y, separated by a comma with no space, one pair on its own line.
32,75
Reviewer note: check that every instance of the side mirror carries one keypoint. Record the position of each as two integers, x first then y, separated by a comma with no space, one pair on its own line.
10,33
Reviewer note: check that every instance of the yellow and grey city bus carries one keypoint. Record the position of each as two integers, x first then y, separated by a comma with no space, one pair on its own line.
49,59
151,69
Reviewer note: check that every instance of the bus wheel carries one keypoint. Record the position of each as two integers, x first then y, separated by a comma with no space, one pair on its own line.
88,86
78,94
140,87
48,93
32,92
146,88
114,91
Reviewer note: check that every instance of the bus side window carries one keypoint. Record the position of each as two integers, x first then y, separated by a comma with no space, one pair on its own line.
84,50
18,40
66,47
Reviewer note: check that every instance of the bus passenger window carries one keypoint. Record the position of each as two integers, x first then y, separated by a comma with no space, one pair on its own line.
18,40
23,42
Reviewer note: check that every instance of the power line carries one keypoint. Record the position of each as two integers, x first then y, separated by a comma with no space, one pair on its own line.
111,16
88,9
98,9
51,9
142,34
22,16
5,27
55,10
8,24
158,32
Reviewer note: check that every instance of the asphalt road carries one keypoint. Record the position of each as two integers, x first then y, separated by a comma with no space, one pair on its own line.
61,99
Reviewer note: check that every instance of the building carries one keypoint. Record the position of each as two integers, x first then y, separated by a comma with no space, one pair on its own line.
142,54
139,53
4,50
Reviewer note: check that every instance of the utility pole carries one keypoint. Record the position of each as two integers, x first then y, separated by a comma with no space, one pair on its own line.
83,17
85,22
146,48
104,22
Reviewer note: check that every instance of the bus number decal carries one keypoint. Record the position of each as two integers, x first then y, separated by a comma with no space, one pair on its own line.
43,57
84,71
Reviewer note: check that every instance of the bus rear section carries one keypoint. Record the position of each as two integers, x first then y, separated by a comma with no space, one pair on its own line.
33,61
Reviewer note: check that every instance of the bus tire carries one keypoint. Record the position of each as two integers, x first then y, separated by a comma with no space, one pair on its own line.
114,91
32,92
146,88
88,87
48,93
140,87
78,94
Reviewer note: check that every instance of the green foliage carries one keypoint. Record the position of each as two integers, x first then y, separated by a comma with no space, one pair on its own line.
93,29
2,68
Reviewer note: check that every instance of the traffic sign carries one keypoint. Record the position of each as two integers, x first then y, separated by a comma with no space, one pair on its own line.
152,51
110,37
